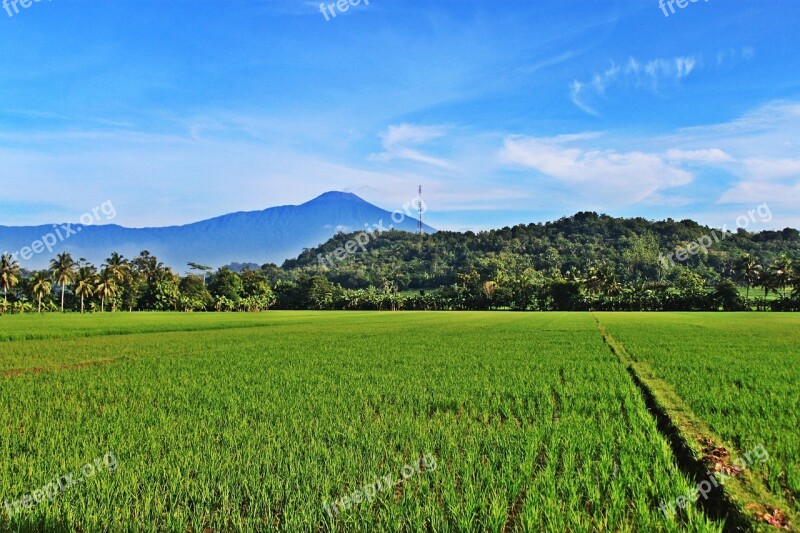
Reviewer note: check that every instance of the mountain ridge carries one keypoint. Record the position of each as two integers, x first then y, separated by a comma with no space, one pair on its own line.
271,235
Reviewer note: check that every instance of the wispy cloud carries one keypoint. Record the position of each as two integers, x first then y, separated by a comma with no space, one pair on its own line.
649,75
711,155
734,55
771,169
634,73
399,140
621,177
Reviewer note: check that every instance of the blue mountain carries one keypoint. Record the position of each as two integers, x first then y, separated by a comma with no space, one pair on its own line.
269,236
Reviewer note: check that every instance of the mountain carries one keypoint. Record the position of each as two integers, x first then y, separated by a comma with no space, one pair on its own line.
268,236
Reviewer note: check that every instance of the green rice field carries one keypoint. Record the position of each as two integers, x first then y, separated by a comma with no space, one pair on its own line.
292,421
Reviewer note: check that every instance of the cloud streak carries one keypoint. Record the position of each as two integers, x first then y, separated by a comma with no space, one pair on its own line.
615,177
652,75
399,142
634,73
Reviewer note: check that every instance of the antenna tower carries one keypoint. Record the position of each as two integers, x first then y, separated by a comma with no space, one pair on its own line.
420,227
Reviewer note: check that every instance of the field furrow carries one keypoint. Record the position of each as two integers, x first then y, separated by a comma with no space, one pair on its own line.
748,391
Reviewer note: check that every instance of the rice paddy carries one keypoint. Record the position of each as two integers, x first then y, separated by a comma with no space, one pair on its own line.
280,421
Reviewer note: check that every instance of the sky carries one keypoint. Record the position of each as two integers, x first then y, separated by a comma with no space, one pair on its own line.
505,112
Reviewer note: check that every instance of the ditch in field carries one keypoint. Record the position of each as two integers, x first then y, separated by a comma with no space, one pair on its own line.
743,503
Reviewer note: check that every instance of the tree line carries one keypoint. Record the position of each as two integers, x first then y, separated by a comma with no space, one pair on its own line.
140,284
584,262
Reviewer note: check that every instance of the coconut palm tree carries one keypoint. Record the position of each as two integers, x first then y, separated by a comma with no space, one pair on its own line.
21,306
765,281
796,279
782,272
749,270
106,286
120,269
40,286
117,265
9,274
84,283
63,270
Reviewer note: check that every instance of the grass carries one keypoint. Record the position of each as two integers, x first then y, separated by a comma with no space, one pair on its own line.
231,422
739,372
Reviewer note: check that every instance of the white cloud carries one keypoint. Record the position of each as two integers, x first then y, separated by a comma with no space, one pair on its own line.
398,142
775,194
765,167
770,127
769,169
734,55
606,175
575,94
649,74
712,155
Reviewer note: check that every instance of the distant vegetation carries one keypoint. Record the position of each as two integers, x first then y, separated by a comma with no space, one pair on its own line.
584,262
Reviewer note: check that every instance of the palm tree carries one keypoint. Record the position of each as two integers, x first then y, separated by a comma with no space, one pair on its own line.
40,286
63,270
106,286
120,269
766,280
782,272
597,279
9,274
21,306
117,265
200,268
796,279
749,270
84,283
573,275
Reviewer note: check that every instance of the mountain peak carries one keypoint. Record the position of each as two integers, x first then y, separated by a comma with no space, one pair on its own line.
337,195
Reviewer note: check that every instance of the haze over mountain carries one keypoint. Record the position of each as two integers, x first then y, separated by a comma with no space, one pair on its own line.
269,236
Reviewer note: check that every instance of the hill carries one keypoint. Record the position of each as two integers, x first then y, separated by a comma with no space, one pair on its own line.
635,249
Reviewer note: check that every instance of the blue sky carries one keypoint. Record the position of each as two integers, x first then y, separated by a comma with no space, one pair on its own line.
506,112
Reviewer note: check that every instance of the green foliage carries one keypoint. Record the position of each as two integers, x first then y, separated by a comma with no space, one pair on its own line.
629,247
194,295
727,296
226,284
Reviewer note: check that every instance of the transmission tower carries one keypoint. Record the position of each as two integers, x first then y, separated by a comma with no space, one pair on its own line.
420,227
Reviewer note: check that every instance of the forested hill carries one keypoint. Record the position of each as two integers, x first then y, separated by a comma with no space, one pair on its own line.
630,247
584,262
